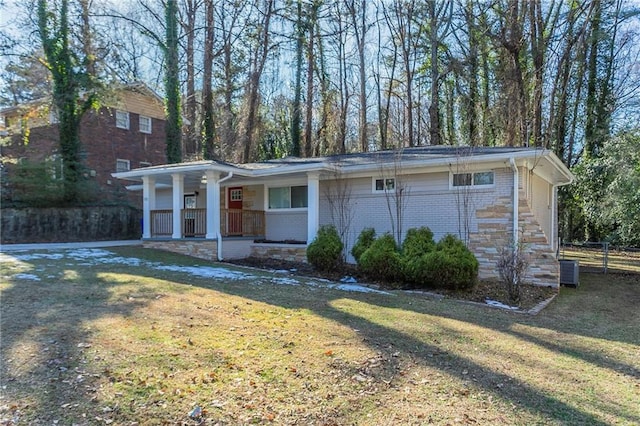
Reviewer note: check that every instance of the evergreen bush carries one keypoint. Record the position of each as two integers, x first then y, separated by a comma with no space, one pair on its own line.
450,265
325,252
418,242
382,259
364,241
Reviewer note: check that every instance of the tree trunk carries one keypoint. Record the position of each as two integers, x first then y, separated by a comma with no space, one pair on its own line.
173,126
207,89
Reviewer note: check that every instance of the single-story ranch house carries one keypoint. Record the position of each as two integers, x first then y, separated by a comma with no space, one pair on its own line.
488,197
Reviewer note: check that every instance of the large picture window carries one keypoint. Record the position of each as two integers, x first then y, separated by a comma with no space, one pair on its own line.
288,197
472,179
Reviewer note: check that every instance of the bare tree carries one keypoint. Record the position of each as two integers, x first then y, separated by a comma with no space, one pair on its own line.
338,193
396,193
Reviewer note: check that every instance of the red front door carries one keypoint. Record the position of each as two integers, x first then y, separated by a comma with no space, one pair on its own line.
235,211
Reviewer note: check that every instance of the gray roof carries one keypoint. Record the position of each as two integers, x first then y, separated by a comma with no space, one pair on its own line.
411,158
406,154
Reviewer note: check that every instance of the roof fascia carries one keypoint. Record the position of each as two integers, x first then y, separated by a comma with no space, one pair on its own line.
173,169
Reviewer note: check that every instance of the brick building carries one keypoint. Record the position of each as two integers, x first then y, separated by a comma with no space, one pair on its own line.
127,132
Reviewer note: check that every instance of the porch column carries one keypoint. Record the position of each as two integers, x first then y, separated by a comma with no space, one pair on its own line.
148,204
178,199
213,204
313,209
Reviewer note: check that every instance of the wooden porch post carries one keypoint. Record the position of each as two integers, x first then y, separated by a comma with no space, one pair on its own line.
213,204
148,204
313,202
178,199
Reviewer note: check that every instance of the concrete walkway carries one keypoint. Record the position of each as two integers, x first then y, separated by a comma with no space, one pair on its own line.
62,246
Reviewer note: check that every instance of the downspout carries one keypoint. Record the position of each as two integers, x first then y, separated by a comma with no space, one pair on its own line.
514,167
218,235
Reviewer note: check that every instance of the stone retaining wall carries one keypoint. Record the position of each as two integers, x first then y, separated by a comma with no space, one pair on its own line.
203,249
72,224
289,252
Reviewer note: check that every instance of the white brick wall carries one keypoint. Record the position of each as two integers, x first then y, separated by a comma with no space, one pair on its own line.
430,203
283,225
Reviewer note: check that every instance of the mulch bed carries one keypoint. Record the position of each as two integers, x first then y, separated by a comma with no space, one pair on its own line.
530,295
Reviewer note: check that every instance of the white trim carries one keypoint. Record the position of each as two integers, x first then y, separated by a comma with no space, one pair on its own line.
177,200
516,201
313,203
148,204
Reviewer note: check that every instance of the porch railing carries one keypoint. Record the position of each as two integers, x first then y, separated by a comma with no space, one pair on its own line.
233,222
161,223
242,222
194,222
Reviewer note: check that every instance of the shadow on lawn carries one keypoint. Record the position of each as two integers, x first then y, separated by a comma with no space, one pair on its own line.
59,353
43,350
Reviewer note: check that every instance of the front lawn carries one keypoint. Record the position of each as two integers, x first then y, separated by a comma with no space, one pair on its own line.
132,336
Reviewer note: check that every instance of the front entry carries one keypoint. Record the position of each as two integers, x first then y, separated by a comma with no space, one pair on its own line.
235,211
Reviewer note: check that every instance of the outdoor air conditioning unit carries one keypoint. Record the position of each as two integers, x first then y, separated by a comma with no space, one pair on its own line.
569,270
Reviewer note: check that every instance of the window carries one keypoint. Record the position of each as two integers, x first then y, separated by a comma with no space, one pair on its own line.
288,197
145,124
382,185
122,119
235,195
472,179
122,165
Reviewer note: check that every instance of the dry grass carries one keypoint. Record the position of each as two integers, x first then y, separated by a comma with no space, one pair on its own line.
113,344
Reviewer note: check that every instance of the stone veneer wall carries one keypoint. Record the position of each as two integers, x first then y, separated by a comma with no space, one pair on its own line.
202,249
290,252
495,231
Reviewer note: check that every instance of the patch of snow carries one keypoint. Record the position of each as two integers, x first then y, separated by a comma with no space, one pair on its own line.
36,256
501,305
119,260
88,253
348,279
207,272
280,271
23,276
359,289
284,281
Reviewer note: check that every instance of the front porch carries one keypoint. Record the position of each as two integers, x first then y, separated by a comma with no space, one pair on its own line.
193,223
219,210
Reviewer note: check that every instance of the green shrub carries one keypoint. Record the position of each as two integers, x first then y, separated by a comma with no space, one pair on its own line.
382,259
418,242
325,251
451,265
364,241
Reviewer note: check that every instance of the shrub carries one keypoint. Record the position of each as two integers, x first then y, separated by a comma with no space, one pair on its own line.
325,251
364,241
382,259
418,242
512,267
451,265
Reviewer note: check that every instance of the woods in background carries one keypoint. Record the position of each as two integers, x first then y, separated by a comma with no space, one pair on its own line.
260,79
